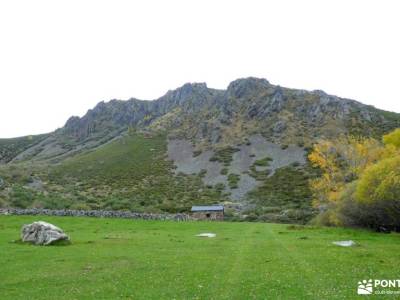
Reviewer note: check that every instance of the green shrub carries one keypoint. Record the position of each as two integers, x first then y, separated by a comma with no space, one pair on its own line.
219,186
21,197
233,180
284,146
224,171
196,153
263,162
224,155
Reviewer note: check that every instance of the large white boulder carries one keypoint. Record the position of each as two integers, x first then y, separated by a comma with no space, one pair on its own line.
42,233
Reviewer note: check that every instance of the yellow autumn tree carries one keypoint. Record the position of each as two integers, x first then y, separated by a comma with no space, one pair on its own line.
380,182
379,190
341,162
360,182
392,138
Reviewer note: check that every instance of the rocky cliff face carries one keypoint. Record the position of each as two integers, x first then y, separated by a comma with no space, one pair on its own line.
214,118
108,116
274,111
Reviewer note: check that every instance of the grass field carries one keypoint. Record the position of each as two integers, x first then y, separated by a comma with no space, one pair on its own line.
126,259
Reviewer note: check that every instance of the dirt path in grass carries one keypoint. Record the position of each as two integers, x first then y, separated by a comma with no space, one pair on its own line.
274,255
300,267
227,289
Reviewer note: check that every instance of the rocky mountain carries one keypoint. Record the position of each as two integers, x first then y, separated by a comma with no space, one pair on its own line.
235,146
272,110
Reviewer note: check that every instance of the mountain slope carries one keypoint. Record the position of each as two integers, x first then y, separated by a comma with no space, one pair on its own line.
212,117
193,145
10,148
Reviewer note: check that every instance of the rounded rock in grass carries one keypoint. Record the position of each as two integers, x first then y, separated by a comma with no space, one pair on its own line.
42,233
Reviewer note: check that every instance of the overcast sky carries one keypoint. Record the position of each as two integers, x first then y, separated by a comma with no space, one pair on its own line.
60,58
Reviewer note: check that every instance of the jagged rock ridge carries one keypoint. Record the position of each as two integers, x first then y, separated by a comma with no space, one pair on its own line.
220,117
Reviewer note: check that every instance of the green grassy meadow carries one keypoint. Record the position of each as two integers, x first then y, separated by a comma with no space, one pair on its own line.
129,259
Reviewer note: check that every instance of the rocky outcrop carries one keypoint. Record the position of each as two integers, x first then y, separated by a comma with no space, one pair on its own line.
42,233
246,88
208,116
106,117
133,112
252,98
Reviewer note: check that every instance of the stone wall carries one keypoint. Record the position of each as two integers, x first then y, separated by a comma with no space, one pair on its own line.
208,215
94,213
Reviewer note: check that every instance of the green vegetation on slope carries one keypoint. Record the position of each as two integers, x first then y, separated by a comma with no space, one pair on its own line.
129,173
284,196
118,164
263,162
233,180
371,128
116,258
132,173
224,155
9,148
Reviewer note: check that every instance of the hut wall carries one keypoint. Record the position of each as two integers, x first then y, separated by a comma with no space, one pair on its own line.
208,215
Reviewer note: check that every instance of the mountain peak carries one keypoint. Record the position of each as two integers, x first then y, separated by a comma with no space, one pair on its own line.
250,80
194,85
247,86
255,99
187,89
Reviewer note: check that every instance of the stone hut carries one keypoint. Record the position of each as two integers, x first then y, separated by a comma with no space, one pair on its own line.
213,212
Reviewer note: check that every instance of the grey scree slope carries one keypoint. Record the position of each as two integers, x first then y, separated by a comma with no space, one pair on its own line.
181,153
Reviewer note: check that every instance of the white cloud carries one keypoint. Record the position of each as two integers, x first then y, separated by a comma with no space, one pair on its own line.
59,59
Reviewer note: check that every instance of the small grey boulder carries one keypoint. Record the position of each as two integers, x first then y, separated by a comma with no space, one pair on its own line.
42,233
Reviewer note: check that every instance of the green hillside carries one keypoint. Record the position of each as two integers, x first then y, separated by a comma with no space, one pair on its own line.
9,148
133,173
119,163
129,173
